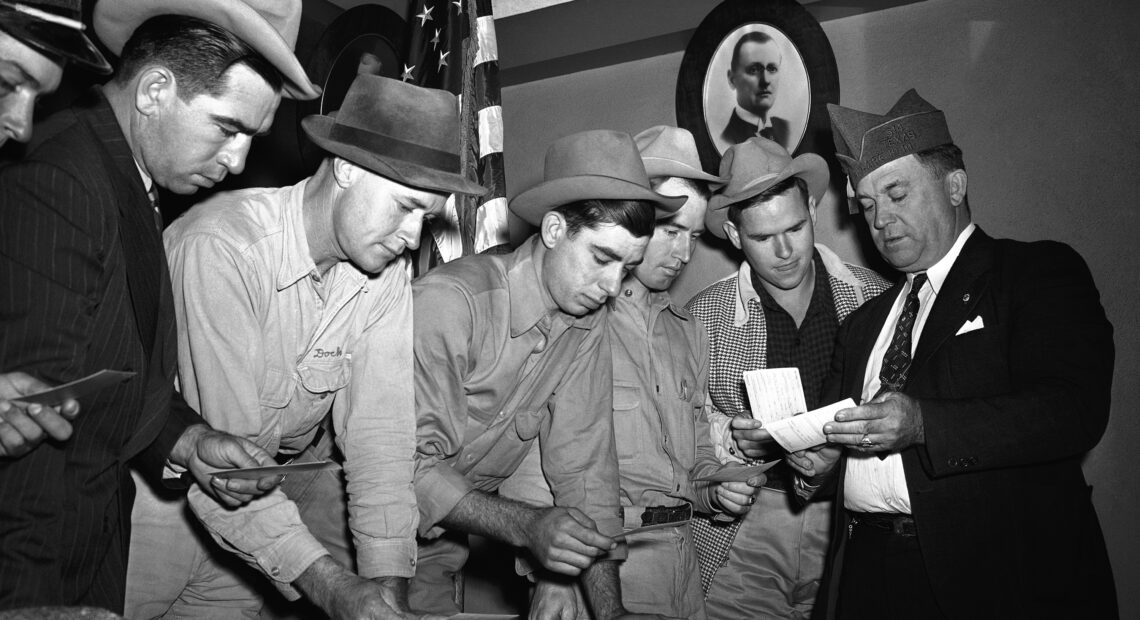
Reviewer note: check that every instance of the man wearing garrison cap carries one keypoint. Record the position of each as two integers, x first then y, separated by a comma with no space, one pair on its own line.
984,377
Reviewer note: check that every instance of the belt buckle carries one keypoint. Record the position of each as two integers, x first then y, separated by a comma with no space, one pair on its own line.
654,515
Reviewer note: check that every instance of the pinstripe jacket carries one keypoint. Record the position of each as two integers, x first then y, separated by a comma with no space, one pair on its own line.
738,341
85,287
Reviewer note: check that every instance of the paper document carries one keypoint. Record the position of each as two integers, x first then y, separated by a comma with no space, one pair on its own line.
738,474
646,528
80,387
805,430
775,393
252,473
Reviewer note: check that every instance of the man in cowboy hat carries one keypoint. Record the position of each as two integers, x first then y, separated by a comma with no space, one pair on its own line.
512,349
87,288
660,370
985,380
38,38
782,309
295,315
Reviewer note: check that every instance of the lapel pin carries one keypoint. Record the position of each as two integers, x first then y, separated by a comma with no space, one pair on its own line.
966,298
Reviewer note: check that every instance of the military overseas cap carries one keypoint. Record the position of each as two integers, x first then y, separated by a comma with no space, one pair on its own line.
865,141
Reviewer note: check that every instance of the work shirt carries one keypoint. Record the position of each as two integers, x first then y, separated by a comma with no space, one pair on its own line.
497,365
267,347
660,376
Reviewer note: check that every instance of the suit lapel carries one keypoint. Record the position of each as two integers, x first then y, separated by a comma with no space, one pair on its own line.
958,299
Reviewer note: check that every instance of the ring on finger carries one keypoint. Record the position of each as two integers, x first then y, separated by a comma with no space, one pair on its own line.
865,442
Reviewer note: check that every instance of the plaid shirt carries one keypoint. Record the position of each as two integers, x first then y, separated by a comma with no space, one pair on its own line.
731,311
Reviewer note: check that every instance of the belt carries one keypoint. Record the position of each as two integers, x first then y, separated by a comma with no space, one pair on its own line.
896,523
640,516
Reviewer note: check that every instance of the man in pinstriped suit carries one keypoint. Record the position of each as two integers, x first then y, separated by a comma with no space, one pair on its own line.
86,285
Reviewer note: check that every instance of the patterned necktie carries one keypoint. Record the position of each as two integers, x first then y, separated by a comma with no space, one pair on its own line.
896,361
152,193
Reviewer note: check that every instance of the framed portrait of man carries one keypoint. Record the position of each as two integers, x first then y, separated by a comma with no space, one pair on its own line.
757,69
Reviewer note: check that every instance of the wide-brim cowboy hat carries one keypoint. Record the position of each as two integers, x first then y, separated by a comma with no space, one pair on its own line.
398,130
268,26
596,164
54,29
672,152
755,165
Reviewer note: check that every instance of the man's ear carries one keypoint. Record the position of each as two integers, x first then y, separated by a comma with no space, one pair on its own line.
733,233
955,184
553,229
155,87
344,172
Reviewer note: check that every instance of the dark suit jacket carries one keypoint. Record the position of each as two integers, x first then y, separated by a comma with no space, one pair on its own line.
738,130
1004,517
85,287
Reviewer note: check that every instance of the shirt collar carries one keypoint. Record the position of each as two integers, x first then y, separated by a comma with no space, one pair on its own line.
745,294
296,259
937,273
656,300
148,182
530,300
747,116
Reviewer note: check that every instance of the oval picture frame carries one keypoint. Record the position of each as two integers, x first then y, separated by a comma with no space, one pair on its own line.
722,105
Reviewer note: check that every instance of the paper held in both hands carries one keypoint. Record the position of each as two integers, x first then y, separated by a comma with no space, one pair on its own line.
777,399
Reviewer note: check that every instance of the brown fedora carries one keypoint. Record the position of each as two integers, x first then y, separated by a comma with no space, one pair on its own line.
55,29
404,132
268,26
672,152
590,165
755,165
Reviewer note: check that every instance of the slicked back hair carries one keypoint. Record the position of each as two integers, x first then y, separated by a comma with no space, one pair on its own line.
788,184
197,52
753,37
636,216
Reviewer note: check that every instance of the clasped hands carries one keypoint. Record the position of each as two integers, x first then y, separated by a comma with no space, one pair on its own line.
890,422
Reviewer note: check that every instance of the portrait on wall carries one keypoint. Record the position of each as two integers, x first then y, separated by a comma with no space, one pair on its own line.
757,69
756,85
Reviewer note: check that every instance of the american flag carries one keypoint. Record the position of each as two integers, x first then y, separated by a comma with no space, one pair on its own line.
452,46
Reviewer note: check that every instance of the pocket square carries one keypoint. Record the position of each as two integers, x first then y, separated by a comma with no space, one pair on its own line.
971,325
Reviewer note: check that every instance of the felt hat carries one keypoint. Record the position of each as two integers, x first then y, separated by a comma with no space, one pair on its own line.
268,26
865,141
53,28
672,152
596,164
755,165
398,130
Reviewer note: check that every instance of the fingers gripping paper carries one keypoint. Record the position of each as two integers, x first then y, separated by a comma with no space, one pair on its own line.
805,430
775,393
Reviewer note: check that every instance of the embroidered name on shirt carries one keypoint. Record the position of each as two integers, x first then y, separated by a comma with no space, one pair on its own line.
324,353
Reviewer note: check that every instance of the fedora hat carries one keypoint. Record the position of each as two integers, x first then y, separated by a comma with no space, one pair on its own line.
55,29
596,164
755,165
672,152
268,26
404,132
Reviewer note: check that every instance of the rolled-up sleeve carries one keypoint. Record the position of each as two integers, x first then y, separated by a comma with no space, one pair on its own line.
443,324
578,451
374,423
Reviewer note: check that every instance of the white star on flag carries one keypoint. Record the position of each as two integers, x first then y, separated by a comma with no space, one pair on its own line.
442,61
425,17
435,39
458,7
407,76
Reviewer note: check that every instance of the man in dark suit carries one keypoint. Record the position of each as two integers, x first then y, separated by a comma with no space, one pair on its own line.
86,284
754,74
985,379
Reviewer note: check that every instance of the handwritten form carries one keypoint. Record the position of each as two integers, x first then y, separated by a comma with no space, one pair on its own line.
777,399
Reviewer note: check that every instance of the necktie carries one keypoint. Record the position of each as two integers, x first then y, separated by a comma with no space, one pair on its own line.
152,193
766,132
896,361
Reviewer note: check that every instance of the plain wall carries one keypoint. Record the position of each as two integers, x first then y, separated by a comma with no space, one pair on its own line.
1038,96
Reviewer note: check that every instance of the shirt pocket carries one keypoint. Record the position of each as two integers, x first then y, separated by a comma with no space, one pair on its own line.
324,377
278,388
627,431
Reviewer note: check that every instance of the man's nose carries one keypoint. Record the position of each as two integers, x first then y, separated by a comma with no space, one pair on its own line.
233,155
783,246
611,281
411,231
17,120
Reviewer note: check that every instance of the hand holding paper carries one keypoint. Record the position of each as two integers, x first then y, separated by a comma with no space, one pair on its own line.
805,430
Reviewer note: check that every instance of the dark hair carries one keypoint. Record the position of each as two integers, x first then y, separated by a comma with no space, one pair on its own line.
941,160
196,51
636,216
736,208
753,37
699,188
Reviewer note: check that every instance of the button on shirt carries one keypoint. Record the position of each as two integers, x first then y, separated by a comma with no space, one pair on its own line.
872,484
497,365
264,341
660,374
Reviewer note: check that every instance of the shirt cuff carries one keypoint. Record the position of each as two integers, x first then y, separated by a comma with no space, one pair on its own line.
285,560
438,490
390,557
